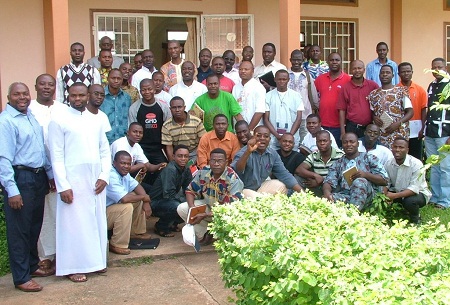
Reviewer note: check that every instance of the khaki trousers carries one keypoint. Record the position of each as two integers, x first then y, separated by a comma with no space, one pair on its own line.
125,219
267,187
200,228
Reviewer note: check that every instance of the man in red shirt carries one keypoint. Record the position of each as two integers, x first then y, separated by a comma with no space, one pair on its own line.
419,100
353,105
218,67
328,86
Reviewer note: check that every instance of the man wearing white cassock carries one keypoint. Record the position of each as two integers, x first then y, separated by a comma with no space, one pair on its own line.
82,162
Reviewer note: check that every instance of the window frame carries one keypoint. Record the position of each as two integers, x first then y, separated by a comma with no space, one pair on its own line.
332,2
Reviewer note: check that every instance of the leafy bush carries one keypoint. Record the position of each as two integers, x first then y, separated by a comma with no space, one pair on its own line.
305,250
4,259
385,209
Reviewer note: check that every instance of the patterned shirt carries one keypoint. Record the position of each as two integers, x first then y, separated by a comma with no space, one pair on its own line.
316,69
299,82
104,72
363,162
188,134
317,164
132,92
227,188
116,108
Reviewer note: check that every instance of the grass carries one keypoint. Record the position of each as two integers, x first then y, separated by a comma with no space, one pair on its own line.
4,259
429,212
134,262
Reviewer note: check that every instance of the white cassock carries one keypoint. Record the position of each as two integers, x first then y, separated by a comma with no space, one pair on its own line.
47,238
80,156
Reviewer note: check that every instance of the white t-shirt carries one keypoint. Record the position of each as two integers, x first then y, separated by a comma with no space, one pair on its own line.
136,152
382,152
251,97
188,93
310,142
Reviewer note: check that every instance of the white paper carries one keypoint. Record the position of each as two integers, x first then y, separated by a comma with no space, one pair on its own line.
414,128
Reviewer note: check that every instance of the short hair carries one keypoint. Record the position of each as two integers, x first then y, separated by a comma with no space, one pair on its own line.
114,70
218,57
180,146
79,84
146,80
137,54
392,69
157,73
439,59
228,51
261,126
103,50
15,84
350,133
204,49
314,115
296,52
329,55
220,115
401,139
404,64
382,43
218,151
174,41
281,71
187,62
269,44
45,74
287,134
323,132
210,75
239,123
121,153
76,44
135,124
176,98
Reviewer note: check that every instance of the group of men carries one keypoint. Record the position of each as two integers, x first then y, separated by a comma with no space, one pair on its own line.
244,131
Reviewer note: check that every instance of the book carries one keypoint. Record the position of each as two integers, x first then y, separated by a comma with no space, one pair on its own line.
269,78
197,111
348,173
195,211
387,120
140,176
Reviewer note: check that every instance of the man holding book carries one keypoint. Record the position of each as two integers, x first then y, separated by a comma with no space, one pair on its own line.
354,177
216,184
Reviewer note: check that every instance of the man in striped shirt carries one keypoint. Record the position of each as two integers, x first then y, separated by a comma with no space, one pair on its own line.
315,168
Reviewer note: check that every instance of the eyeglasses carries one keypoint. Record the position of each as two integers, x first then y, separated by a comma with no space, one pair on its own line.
218,161
98,94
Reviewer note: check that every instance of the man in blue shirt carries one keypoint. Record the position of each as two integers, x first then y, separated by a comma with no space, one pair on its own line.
115,106
373,68
127,205
24,176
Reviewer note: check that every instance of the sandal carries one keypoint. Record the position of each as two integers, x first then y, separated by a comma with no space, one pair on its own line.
164,233
439,207
77,277
174,228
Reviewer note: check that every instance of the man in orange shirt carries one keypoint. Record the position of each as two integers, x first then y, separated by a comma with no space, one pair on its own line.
419,100
217,138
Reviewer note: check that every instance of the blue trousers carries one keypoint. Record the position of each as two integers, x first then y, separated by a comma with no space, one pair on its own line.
166,210
24,225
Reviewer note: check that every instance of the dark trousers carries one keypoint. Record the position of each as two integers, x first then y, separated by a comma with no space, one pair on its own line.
24,225
336,132
412,204
416,148
166,210
154,157
355,128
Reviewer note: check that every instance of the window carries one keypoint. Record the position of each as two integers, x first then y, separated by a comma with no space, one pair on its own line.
447,42
332,2
227,32
332,36
447,5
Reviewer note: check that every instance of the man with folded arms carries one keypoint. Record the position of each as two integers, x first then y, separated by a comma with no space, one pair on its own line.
127,206
24,184
216,184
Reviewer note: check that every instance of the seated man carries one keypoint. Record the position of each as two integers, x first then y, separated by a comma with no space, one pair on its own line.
217,184
256,161
127,206
314,126
290,158
168,192
130,144
217,138
242,132
361,189
370,144
315,168
407,183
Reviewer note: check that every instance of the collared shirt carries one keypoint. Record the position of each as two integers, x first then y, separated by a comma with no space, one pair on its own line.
225,83
227,188
117,61
233,75
260,166
317,164
119,186
316,69
299,82
373,71
329,90
353,99
363,162
438,121
141,74
273,67
251,97
171,183
43,113
407,176
136,152
381,152
210,141
202,75
310,142
116,108
22,144
188,93
132,92
189,133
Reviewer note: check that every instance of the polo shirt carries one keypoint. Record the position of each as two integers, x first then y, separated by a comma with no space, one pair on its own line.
210,141
118,186
225,83
329,91
419,101
353,99
320,167
188,134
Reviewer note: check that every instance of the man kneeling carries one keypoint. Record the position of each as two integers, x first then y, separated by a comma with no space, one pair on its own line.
127,205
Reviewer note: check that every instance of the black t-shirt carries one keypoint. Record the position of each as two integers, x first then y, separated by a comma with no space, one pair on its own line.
152,118
292,161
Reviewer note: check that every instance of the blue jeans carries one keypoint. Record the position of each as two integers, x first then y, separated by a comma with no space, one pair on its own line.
23,226
166,210
440,174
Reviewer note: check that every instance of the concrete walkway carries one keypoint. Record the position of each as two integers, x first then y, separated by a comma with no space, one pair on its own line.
177,275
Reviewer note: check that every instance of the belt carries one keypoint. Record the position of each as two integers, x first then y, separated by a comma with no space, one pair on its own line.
30,169
358,126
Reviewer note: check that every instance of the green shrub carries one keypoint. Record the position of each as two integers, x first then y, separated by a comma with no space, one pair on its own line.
4,259
304,250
